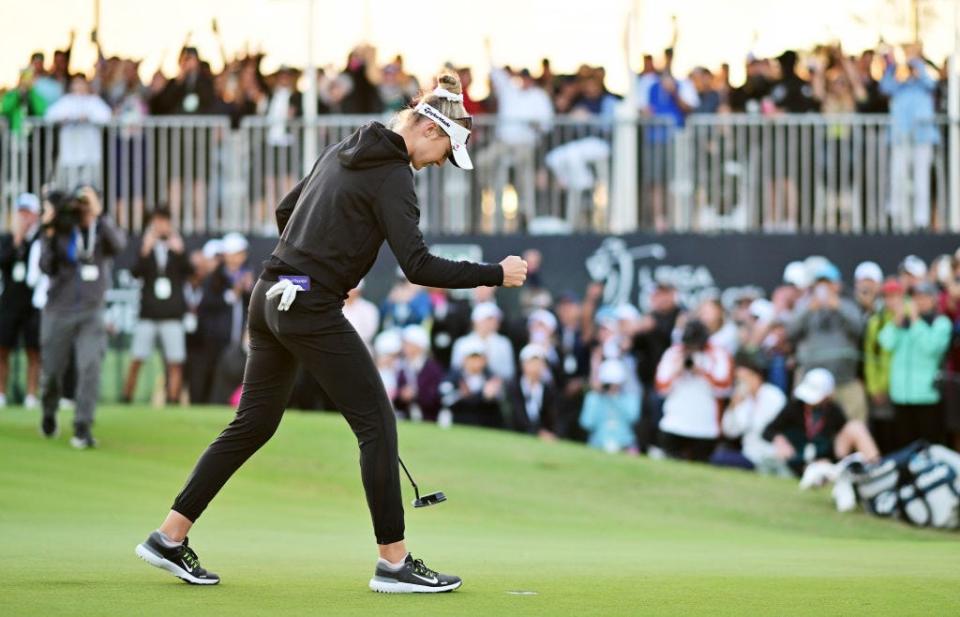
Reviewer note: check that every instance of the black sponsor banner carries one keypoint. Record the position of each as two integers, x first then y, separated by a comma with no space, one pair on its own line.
631,264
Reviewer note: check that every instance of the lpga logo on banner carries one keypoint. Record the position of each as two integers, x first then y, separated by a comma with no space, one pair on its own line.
620,267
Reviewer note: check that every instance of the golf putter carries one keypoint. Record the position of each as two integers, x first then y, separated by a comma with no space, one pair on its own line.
427,500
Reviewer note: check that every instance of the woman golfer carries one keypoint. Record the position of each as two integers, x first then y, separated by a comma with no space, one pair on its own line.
332,224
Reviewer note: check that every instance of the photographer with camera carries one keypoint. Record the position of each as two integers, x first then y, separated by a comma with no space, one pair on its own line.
163,268
78,247
693,376
826,330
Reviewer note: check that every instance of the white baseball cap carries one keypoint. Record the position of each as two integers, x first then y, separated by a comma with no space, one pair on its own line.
472,346
796,274
533,351
212,248
627,312
763,310
234,242
29,202
915,266
545,317
485,310
612,372
868,270
387,343
416,335
816,385
815,264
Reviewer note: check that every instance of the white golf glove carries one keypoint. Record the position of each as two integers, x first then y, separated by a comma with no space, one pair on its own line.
287,292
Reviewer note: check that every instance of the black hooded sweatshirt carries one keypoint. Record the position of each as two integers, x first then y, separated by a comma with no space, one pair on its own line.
359,193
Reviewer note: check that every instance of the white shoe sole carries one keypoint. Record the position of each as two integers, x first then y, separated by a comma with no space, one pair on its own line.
159,562
397,587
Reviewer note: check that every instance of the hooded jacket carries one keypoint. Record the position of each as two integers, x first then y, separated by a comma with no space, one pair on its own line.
359,193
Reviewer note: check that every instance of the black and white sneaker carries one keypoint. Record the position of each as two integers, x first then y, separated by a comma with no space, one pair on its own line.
83,438
412,577
48,427
181,561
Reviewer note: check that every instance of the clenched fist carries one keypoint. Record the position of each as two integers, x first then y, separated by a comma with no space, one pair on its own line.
514,271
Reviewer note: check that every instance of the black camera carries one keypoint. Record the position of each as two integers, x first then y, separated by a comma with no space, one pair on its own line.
694,339
68,208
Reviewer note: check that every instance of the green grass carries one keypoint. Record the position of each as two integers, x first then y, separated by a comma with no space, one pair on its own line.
590,533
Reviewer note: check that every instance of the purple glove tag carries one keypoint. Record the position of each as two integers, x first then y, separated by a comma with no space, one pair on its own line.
302,281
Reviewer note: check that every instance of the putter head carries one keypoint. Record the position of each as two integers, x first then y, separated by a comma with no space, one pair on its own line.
429,499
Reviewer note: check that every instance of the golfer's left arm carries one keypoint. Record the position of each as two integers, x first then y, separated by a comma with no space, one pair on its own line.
398,215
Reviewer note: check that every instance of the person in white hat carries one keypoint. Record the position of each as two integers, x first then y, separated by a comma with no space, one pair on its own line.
19,319
796,274
235,247
542,330
386,350
912,271
609,413
213,251
533,395
215,298
826,329
486,318
813,427
867,280
473,393
419,377
359,194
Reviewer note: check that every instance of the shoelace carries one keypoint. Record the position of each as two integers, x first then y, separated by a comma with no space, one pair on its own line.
420,568
189,556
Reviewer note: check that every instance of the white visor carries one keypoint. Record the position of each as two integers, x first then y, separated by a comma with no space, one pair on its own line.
457,132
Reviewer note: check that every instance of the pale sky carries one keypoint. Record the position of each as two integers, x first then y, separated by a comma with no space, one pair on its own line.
569,32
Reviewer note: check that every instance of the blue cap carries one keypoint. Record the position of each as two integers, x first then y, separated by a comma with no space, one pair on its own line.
829,272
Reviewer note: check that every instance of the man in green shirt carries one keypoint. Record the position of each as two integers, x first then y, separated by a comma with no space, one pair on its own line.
22,101
876,369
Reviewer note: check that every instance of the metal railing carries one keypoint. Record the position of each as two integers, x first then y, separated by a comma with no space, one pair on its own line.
812,173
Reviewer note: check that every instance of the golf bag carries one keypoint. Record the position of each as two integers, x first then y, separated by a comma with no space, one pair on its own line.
919,484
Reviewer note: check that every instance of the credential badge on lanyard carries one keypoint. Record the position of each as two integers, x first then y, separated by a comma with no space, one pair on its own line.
88,271
162,289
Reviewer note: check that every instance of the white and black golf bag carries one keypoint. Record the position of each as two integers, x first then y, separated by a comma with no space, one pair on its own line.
919,484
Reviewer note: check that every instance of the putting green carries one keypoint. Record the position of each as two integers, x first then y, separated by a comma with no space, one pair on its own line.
578,532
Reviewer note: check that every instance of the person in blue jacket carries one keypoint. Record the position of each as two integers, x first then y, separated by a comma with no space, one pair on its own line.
917,338
609,413
913,136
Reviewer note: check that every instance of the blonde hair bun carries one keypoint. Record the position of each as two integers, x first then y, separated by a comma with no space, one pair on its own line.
450,82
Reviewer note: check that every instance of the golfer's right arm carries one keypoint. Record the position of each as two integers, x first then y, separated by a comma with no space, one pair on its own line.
399,216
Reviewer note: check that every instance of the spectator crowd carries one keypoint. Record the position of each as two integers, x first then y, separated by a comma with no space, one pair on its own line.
817,370
824,366
824,79
524,103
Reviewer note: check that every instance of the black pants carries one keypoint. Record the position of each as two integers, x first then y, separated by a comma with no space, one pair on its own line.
915,422
687,448
315,333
